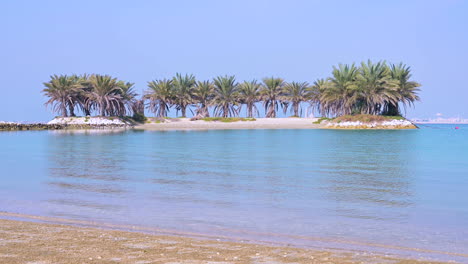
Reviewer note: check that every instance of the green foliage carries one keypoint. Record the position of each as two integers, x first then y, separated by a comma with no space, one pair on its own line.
249,94
225,96
372,88
366,118
183,91
139,117
320,120
203,94
63,92
271,95
160,94
352,89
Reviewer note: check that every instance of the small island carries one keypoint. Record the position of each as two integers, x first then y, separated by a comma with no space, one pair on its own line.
368,96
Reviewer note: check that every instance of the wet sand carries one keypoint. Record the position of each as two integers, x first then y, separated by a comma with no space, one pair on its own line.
44,243
259,123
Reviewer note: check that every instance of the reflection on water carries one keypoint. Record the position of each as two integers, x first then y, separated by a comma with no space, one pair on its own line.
369,186
103,131
368,173
84,171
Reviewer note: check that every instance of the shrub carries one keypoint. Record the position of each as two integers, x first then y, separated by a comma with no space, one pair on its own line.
139,117
320,120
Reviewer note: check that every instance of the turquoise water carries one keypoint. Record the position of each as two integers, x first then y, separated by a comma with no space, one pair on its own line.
319,188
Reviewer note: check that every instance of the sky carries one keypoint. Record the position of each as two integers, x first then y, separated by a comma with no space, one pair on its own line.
139,41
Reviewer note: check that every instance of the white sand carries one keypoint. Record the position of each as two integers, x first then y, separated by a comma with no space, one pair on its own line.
259,123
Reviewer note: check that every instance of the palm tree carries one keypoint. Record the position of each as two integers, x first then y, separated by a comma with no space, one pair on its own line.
203,95
249,94
62,91
183,88
375,88
315,92
83,97
339,97
128,97
407,90
225,96
271,93
296,93
160,95
138,109
106,94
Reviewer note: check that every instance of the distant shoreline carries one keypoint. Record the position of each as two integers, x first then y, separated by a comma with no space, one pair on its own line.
441,123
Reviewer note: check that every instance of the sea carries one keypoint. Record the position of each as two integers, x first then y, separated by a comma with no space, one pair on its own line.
401,192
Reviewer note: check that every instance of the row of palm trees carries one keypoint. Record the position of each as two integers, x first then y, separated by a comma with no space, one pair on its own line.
224,95
109,96
372,88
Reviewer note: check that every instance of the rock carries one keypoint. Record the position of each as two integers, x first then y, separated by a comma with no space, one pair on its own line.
88,121
390,124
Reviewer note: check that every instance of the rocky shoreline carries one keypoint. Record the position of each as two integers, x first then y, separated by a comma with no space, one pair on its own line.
363,121
62,123
70,123
42,126
391,124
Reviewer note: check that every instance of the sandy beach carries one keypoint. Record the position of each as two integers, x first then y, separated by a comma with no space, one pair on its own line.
45,243
259,123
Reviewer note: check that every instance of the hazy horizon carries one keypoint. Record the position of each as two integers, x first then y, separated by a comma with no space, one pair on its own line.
297,40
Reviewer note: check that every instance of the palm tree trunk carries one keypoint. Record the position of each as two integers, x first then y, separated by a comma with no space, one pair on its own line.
225,111
271,113
64,110
183,109
204,111
296,108
392,110
249,110
72,110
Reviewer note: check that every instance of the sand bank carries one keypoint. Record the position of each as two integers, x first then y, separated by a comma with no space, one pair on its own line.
44,243
258,123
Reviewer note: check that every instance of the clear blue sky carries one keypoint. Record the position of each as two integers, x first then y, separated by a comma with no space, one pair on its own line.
297,40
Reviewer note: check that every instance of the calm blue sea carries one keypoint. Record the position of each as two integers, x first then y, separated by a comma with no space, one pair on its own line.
407,189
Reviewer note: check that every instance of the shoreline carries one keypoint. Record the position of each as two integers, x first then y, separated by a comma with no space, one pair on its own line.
259,123
167,124
38,239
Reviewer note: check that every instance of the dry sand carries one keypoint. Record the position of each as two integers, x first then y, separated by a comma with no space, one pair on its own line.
259,123
42,243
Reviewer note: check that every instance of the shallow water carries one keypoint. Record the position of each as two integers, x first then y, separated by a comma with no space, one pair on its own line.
325,188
